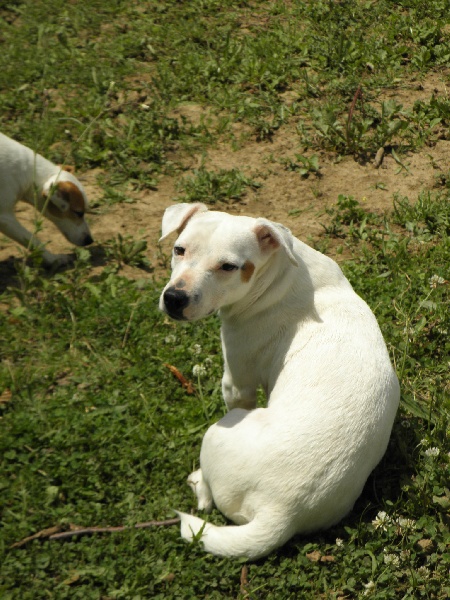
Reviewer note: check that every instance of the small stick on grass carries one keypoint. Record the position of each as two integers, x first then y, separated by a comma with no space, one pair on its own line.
53,533
244,581
181,378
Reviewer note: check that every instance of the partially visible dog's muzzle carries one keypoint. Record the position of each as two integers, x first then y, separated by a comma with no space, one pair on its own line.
87,240
175,301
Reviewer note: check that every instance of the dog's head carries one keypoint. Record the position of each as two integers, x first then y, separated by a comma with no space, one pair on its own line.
65,204
216,258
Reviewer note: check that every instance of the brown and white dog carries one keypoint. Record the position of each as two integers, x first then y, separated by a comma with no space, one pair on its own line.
55,192
291,323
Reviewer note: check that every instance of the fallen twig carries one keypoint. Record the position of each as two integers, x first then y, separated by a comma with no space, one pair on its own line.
44,534
244,581
55,533
188,386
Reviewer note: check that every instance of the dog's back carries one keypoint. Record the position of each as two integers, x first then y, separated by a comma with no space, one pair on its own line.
20,169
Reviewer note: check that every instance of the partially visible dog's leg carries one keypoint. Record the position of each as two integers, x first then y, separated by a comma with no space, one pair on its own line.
201,490
11,227
235,397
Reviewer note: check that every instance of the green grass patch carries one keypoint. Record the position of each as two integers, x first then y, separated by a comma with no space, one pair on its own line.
215,186
97,431
94,428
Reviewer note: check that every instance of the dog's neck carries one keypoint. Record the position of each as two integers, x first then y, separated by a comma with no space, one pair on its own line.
272,285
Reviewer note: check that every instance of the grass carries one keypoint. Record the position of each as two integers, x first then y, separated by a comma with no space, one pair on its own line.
211,187
94,427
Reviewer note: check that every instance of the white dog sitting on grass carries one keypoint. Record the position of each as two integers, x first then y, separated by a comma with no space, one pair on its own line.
292,324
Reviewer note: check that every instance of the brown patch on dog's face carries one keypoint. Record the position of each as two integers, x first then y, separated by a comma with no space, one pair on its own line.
247,271
71,194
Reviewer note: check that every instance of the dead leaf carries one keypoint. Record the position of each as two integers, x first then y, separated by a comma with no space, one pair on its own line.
314,556
5,396
426,545
73,579
181,378
328,558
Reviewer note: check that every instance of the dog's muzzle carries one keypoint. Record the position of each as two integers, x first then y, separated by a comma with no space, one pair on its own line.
175,301
87,241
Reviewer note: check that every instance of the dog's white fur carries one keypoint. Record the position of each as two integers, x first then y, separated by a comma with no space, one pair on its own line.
292,324
56,193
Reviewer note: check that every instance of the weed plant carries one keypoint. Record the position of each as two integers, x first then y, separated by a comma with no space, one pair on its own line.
211,187
95,430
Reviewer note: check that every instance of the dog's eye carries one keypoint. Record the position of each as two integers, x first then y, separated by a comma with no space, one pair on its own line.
179,251
229,267
79,213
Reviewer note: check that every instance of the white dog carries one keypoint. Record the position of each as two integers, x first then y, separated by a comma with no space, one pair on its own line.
292,324
56,193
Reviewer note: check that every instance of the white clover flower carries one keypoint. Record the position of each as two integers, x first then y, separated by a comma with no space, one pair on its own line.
391,559
435,280
198,371
382,521
196,349
409,331
424,572
404,555
170,339
339,542
406,523
370,588
208,361
431,452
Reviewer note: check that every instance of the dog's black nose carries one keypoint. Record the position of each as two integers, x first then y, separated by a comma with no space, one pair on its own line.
175,301
87,240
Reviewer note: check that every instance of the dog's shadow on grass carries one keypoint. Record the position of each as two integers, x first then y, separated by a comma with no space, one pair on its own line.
101,258
10,267
8,274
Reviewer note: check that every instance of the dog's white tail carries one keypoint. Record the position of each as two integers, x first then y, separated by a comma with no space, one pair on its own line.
252,540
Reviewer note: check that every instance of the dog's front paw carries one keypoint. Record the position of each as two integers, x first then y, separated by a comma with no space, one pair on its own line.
53,262
201,490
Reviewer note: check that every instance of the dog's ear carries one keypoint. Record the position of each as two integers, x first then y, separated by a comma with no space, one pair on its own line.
272,236
176,217
57,196
66,195
68,168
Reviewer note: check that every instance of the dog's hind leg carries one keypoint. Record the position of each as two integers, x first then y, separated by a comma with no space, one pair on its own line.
201,490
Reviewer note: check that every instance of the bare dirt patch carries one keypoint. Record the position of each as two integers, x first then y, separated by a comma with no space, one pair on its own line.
284,196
